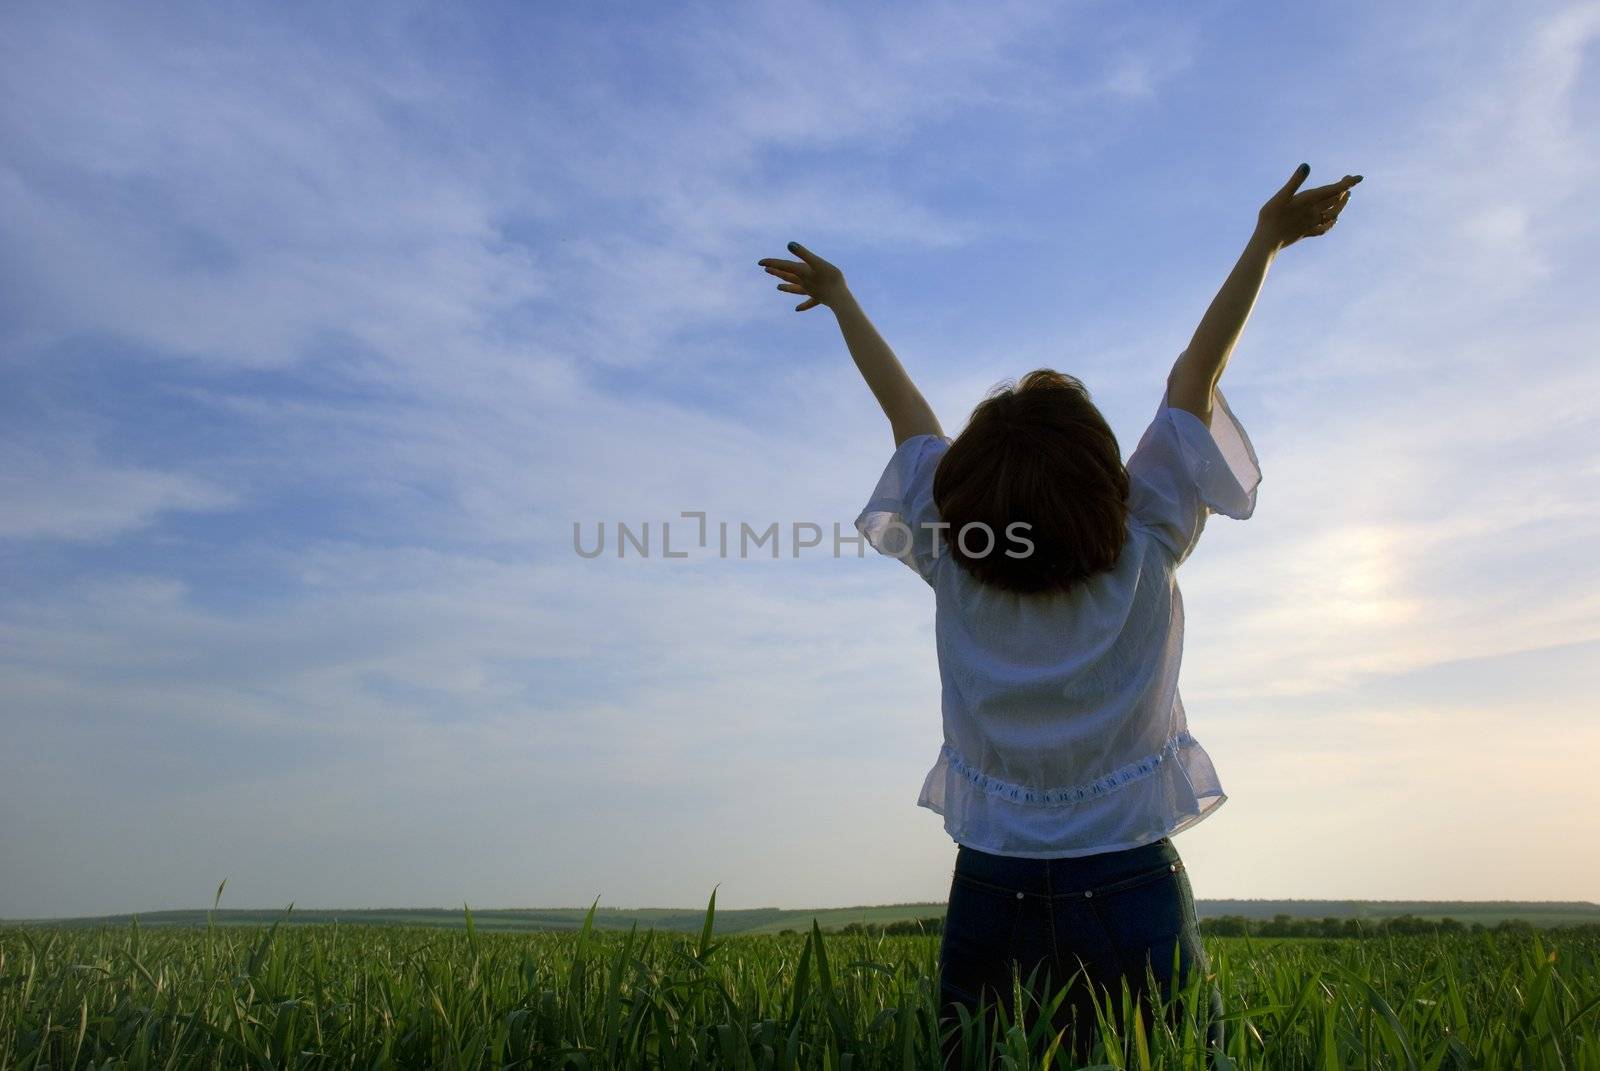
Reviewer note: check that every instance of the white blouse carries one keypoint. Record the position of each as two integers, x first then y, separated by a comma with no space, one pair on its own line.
1064,733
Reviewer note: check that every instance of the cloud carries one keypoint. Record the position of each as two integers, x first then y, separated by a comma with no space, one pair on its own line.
66,491
1429,486
433,288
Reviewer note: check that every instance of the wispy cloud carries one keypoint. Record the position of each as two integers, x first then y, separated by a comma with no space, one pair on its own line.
68,492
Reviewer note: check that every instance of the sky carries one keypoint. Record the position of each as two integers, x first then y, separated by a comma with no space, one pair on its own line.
322,327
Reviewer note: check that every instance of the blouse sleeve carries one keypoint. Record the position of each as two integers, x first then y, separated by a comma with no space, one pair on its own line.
900,519
1181,471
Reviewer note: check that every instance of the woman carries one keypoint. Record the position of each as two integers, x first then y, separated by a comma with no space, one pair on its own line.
1067,764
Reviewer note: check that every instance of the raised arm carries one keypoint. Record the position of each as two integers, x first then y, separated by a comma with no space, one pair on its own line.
1282,221
908,412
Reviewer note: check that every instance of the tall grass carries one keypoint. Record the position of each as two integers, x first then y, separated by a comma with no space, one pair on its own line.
337,996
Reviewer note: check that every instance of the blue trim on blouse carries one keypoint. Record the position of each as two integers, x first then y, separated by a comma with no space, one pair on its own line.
1133,771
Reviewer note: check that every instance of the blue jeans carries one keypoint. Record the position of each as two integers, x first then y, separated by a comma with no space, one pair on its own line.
1103,918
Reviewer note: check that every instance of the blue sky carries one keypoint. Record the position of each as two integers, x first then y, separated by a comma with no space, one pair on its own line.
321,327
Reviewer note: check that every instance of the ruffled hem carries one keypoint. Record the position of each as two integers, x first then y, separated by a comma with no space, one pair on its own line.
896,519
1151,798
880,518
1066,797
1221,458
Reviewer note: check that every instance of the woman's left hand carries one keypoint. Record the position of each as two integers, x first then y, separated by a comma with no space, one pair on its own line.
811,275
1290,216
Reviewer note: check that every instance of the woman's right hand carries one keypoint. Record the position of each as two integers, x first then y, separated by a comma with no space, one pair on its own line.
1290,216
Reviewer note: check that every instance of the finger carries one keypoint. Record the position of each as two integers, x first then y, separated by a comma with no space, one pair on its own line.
804,254
1332,189
1333,206
783,273
793,267
813,303
1316,196
793,288
1295,180
1342,187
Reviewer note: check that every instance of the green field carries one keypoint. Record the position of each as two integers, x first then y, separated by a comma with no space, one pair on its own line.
371,996
775,920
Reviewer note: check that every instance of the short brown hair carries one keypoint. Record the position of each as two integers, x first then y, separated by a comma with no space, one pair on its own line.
1038,452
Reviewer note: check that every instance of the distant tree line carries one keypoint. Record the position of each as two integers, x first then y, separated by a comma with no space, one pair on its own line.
903,928
1282,925
1277,926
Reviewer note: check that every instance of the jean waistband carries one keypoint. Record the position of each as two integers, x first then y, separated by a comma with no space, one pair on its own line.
1075,876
